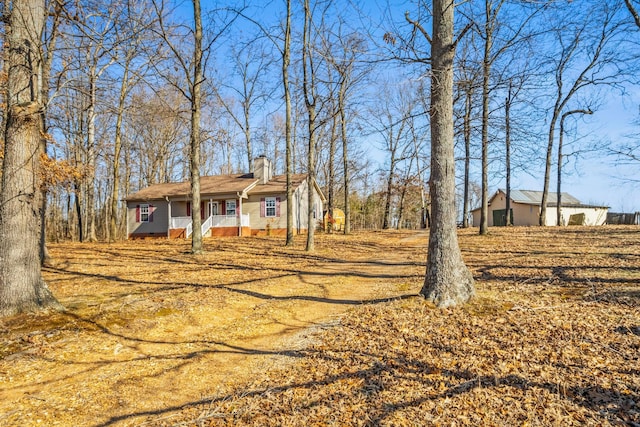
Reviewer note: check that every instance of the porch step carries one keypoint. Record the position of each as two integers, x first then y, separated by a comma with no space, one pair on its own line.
177,233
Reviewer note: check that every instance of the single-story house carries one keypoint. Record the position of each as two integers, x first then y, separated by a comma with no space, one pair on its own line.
231,205
526,205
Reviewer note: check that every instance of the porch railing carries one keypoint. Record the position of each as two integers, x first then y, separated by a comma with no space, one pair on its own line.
206,225
212,222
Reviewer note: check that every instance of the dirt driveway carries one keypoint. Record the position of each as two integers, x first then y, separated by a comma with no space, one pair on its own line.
151,329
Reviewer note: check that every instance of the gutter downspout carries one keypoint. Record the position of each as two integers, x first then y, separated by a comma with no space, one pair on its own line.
168,217
240,196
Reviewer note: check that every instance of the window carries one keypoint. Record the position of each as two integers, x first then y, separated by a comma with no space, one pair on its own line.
270,206
144,213
231,207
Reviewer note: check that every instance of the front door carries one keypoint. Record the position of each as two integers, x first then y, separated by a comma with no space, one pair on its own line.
214,208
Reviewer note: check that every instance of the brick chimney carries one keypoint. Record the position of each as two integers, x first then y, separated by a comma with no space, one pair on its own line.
262,169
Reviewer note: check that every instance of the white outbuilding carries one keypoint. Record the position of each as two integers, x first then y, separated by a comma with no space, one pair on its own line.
525,210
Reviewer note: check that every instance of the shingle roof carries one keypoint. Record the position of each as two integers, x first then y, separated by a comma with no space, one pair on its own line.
218,184
278,184
209,185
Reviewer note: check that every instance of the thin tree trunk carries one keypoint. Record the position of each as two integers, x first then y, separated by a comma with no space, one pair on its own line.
448,282
331,181
547,169
287,132
467,152
345,159
486,72
507,138
389,189
196,100
113,220
310,102
559,183
44,97
91,142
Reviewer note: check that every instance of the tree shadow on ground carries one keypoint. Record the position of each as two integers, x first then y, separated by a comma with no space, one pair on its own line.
607,402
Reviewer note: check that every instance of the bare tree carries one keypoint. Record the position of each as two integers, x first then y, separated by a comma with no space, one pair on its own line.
310,101
589,56
22,287
448,282
131,30
493,49
393,116
351,46
286,58
250,63
191,67
560,161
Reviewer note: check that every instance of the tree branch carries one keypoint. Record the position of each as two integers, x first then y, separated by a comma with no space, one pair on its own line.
633,12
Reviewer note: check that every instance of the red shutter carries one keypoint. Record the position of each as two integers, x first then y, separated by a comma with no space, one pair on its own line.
151,210
137,213
277,206
188,208
223,207
262,207
201,210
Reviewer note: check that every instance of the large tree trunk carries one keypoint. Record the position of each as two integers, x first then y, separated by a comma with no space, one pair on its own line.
22,287
448,282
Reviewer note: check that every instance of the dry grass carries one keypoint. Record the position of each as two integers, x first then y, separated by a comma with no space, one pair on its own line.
253,333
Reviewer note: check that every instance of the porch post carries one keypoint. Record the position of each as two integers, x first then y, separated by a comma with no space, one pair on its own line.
239,218
168,219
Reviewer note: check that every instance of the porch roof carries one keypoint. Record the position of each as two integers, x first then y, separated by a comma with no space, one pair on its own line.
209,186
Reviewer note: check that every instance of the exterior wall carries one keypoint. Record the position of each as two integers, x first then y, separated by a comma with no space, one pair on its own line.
475,217
251,206
593,216
155,228
528,215
178,208
524,215
278,225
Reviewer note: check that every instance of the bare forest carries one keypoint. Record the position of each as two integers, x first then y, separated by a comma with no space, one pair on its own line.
118,89
402,120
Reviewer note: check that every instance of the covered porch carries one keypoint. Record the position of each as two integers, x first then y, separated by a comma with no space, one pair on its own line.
220,217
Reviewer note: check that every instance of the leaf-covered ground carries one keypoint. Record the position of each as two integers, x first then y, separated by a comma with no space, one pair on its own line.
253,333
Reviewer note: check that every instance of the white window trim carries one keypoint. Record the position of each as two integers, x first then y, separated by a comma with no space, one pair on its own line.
235,207
267,207
145,210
